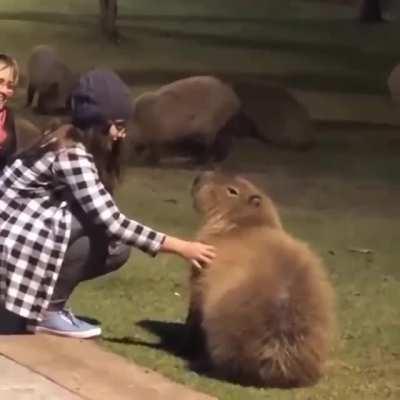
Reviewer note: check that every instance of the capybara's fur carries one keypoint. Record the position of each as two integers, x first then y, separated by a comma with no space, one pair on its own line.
27,133
188,115
263,312
50,79
393,83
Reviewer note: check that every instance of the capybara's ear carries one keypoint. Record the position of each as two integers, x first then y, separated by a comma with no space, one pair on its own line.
255,200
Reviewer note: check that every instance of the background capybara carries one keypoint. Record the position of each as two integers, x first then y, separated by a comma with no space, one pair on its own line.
27,133
263,313
50,78
274,115
188,115
393,83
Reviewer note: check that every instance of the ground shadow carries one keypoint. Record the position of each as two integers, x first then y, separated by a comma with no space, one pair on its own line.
171,337
172,340
89,320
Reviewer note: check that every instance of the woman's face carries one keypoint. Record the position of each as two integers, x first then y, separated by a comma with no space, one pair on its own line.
117,130
7,84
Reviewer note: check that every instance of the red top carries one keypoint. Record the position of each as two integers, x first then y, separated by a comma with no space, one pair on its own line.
3,133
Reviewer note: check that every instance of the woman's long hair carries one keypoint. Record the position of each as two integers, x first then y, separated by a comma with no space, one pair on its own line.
107,154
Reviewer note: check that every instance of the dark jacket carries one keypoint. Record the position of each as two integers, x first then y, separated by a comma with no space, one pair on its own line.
9,146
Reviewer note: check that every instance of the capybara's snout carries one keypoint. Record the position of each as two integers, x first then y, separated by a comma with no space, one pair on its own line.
201,179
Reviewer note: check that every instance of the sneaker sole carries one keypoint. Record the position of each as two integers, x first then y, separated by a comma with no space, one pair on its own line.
95,332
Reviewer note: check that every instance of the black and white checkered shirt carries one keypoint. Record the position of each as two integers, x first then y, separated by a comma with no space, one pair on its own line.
35,224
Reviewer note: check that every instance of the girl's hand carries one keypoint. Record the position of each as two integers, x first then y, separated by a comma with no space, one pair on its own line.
199,254
117,130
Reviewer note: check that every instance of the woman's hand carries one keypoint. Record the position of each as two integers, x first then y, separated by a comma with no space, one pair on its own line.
199,254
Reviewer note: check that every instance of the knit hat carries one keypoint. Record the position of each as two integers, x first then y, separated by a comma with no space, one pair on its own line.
100,96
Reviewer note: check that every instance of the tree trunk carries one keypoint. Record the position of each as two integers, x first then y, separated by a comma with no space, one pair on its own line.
108,19
371,11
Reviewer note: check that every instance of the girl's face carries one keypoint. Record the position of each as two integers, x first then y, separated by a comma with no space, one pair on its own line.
117,130
7,84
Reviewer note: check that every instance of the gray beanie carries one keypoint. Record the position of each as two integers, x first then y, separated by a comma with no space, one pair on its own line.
100,96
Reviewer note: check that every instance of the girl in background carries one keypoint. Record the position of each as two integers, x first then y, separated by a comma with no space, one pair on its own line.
8,81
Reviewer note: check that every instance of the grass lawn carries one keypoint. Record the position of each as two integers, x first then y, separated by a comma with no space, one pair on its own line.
342,195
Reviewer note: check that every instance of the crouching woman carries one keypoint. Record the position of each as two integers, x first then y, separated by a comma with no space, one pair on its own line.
59,224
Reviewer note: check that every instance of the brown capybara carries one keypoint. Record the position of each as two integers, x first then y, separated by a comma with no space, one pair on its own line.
393,83
188,115
27,133
275,115
263,312
51,79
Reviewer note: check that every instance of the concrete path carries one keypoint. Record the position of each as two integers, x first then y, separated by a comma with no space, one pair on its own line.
44,367
345,107
20,383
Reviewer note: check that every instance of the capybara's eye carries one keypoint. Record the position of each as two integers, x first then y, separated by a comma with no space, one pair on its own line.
232,191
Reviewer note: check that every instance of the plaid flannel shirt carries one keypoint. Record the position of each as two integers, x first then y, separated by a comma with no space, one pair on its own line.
35,224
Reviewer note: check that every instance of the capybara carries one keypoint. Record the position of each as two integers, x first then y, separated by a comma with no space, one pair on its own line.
27,133
51,79
263,312
188,115
393,83
274,115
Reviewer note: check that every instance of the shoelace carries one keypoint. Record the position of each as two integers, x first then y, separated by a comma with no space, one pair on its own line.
68,314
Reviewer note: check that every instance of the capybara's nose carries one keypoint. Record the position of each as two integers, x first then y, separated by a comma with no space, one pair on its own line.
201,178
196,180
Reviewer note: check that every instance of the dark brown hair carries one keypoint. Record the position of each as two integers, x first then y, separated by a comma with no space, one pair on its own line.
106,153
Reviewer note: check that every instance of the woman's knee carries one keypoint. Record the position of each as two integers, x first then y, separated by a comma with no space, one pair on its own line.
76,259
118,255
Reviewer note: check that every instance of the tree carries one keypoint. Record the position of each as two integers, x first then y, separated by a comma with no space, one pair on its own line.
371,11
108,19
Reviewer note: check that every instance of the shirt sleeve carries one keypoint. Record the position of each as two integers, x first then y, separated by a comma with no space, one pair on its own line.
75,168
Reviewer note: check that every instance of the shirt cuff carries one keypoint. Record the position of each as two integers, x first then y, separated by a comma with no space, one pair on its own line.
156,243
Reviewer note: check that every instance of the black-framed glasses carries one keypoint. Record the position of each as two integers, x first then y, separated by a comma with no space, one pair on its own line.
120,124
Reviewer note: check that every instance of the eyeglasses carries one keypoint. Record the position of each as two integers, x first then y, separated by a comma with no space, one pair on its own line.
120,124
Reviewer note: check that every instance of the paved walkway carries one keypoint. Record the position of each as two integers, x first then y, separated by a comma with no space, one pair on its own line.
20,383
346,107
44,367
